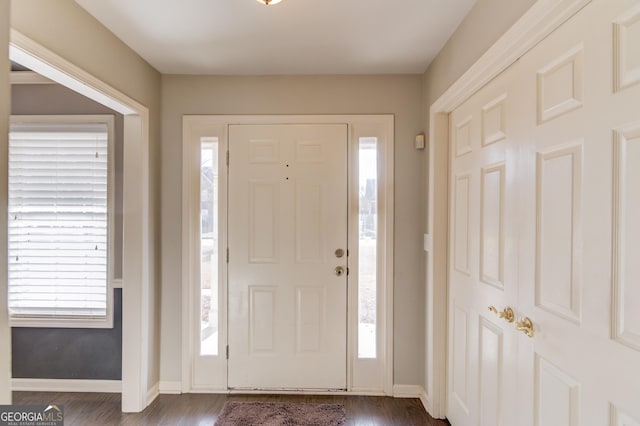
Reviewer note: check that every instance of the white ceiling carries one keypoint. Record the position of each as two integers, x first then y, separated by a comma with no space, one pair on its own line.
293,37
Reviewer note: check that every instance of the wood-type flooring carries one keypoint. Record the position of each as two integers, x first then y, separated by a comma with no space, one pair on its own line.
203,409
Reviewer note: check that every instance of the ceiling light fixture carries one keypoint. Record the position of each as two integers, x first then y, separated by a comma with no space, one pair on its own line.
269,2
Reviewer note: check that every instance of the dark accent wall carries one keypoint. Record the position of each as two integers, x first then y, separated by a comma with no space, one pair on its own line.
71,353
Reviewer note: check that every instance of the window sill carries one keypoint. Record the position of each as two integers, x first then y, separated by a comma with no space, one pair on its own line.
40,322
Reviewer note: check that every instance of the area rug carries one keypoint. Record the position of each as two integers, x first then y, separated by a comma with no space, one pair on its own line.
247,413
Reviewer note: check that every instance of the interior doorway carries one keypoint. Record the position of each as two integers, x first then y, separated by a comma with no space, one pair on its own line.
135,388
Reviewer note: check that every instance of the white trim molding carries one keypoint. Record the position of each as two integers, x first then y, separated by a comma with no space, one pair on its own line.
136,311
153,393
412,391
48,64
66,385
28,77
538,22
407,391
5,112
544,17
170,388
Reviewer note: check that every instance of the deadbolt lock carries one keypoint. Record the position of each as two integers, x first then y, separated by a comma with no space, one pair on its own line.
339,253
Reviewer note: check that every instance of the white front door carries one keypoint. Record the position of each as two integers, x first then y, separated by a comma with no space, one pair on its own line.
563,126
287,277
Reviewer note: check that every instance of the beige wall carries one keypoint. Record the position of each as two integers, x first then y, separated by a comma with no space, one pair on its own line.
5,336
400,95
63,27
484,24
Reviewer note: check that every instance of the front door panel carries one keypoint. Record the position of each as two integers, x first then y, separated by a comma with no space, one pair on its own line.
287,294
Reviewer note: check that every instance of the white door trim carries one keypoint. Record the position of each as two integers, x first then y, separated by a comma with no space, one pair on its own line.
5,112
538,22
137,325
358,371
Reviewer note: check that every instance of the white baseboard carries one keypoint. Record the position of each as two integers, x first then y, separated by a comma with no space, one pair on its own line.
426,401
414,391
173,388
367,392
66,385
153,393
290,392
407,391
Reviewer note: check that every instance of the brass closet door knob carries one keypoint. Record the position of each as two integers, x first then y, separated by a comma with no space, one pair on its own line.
526,326
506,313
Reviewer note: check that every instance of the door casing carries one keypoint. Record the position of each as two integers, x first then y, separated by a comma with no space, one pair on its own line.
137,392
364,376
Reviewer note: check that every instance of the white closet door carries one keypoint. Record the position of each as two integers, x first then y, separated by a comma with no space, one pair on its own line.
580,242
483,263
568,139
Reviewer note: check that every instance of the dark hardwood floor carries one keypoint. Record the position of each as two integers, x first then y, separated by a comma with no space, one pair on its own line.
203,409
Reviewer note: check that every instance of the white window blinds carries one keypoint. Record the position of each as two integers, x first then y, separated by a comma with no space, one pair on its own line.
58,220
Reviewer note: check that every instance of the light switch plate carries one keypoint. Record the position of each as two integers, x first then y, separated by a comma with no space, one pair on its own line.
420,141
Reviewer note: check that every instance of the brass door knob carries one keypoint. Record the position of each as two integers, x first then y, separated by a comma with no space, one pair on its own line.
506,313
526,326
339,271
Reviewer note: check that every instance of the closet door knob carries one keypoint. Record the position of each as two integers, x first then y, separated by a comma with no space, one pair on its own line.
526,326
506,313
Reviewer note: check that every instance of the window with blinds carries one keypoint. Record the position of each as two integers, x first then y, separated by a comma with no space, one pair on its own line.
59,219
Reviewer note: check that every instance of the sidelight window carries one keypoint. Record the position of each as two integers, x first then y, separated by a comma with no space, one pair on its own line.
209,246
367,247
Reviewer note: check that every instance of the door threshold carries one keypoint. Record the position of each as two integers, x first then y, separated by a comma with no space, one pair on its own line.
287,391
264,391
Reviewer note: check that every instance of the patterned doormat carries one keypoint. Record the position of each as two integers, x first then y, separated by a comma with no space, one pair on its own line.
247,413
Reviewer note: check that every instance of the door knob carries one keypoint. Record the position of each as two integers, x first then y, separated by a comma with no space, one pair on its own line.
339,271
526,326
507,313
